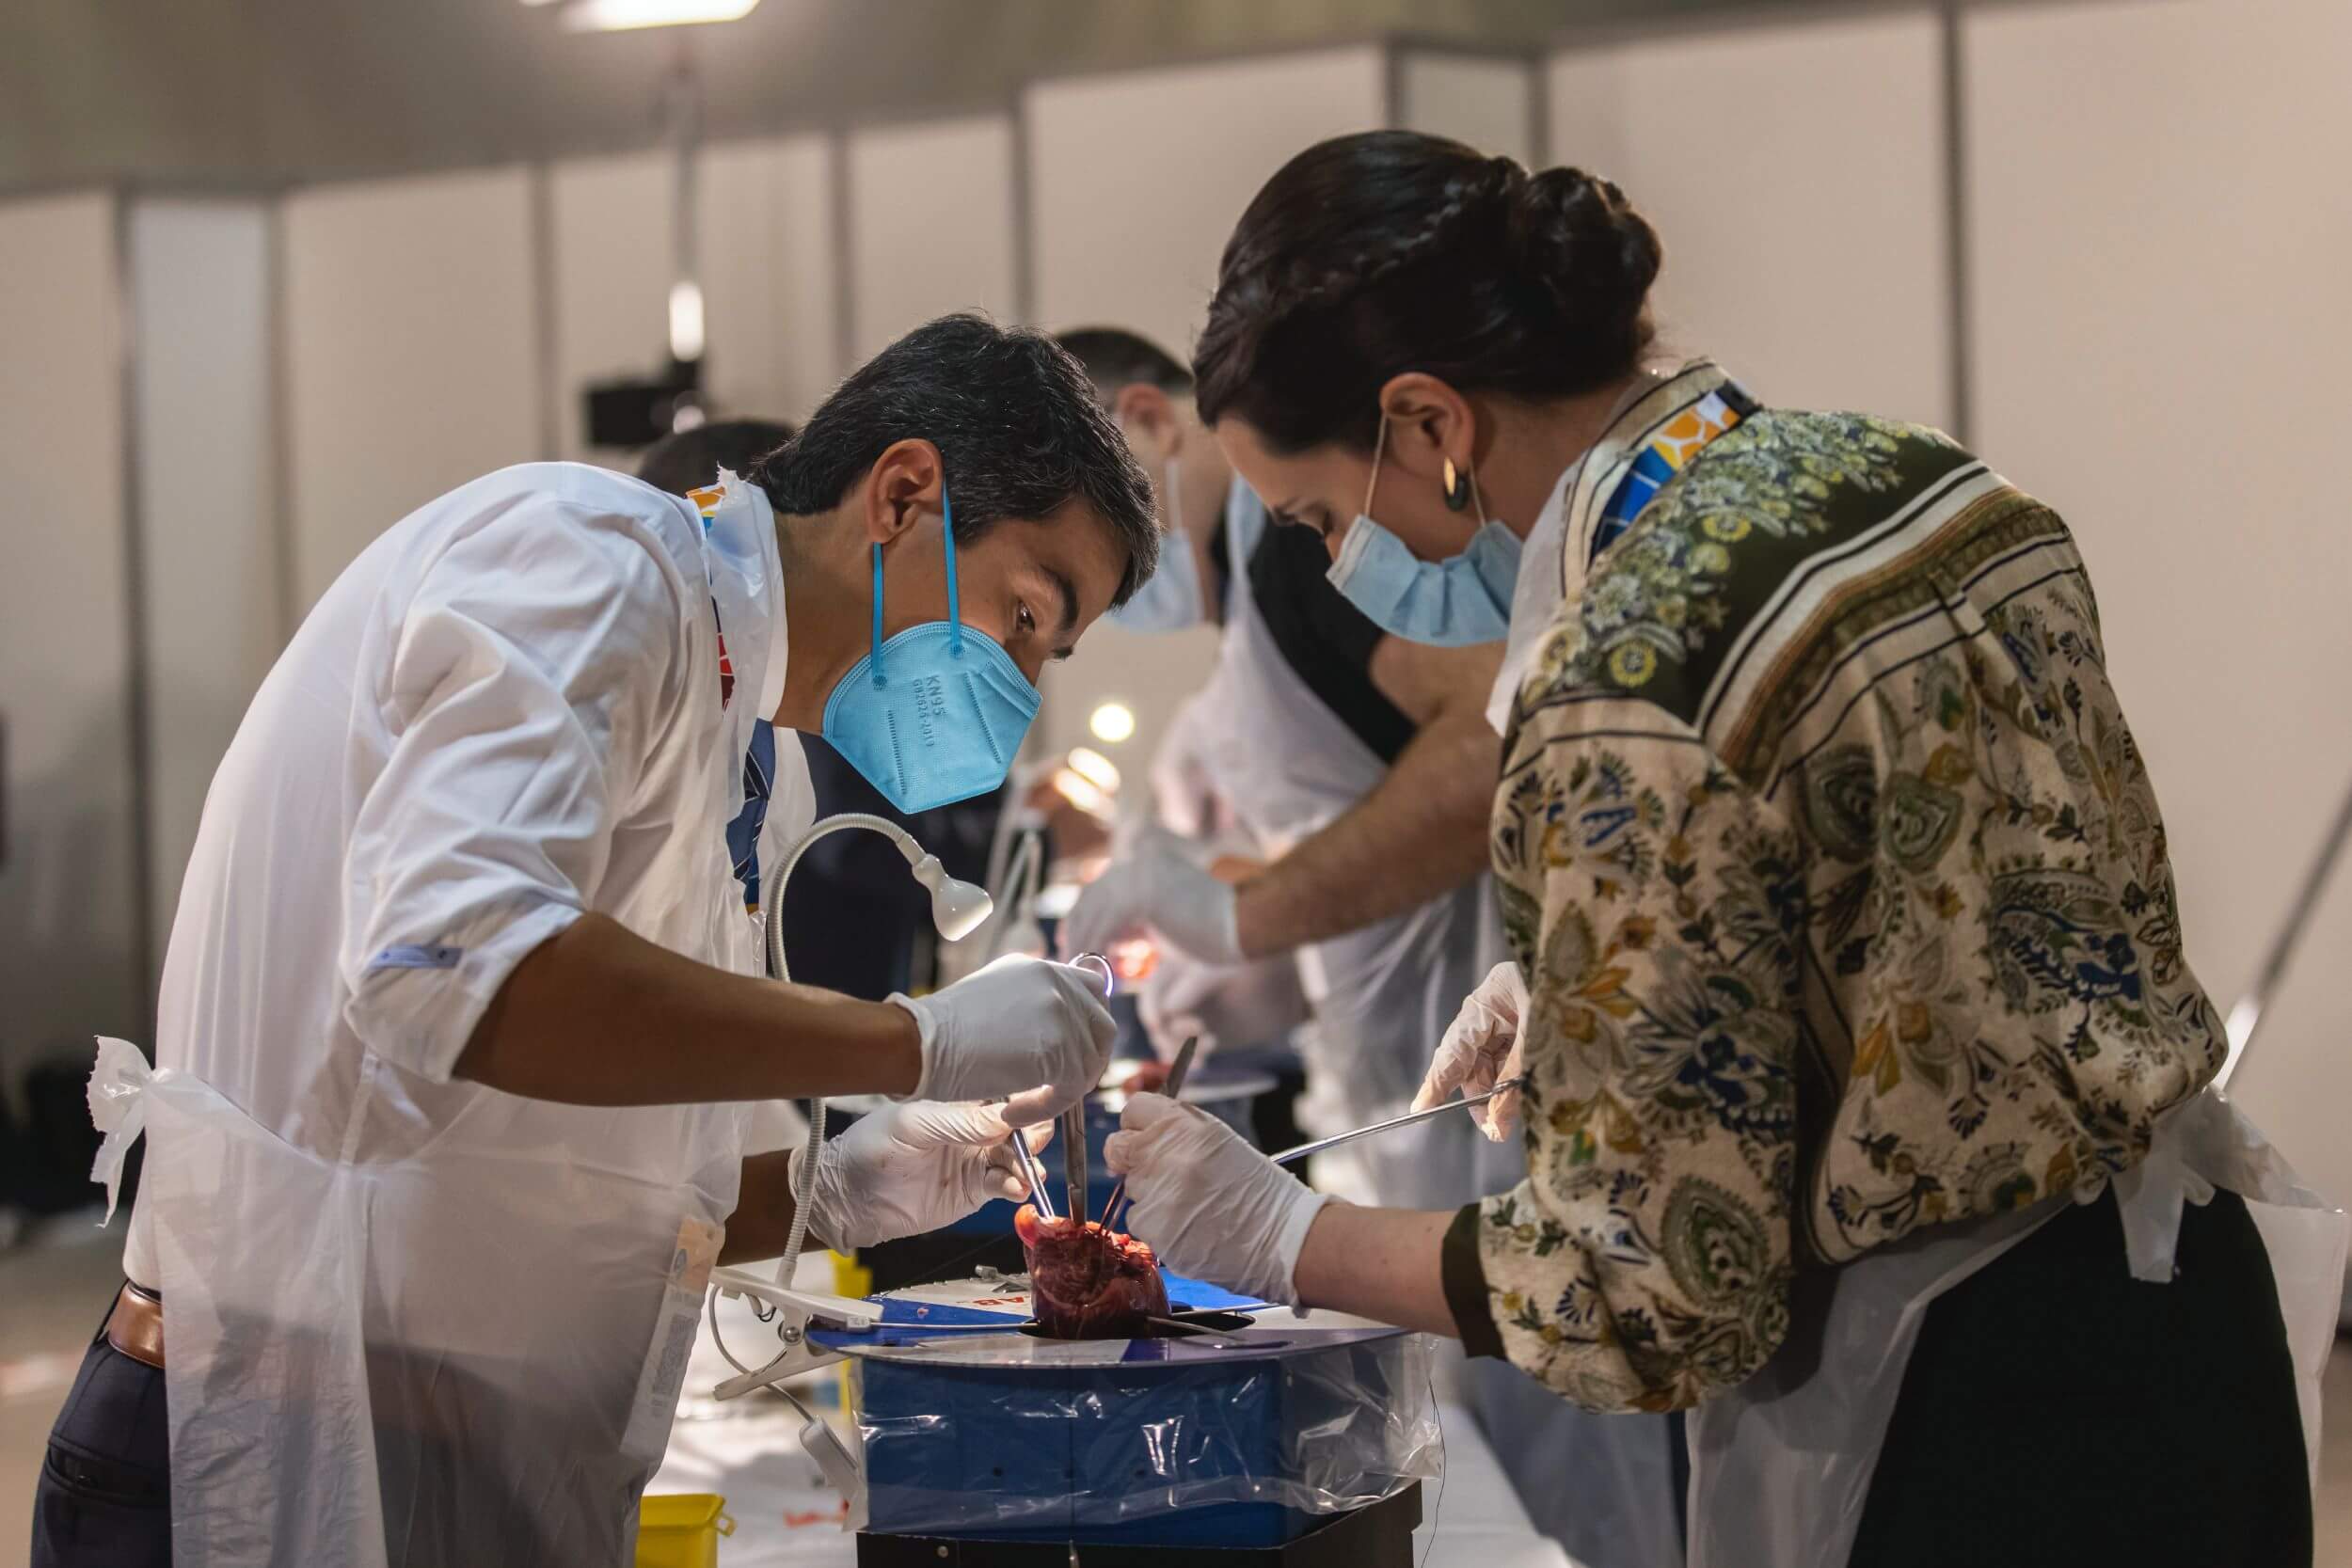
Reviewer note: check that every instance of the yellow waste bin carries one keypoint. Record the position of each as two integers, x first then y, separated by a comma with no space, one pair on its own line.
681,1530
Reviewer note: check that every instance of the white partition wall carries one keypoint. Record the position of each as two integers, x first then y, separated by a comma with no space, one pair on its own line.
1796,176
207,504
69,937
412,354
1136,180
930,226
764,255
611,261
2162,249
766,223
1488,102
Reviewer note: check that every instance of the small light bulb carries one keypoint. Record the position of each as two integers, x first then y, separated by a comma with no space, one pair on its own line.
685,320
1094,767
1074,787
1112,722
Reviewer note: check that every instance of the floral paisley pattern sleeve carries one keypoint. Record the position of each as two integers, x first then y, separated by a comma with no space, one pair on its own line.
1645,1262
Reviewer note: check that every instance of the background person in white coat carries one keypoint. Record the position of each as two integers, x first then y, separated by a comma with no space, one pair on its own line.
1310,714
1306,708
463,1018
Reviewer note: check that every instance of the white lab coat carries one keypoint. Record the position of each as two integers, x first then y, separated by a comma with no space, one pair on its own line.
411,1320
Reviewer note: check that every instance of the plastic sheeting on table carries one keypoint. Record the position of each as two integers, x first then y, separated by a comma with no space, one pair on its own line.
1249,1450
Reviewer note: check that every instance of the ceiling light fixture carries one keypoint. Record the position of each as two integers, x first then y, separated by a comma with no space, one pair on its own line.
614,16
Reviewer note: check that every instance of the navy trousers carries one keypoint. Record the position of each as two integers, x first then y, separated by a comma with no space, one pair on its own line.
104,1494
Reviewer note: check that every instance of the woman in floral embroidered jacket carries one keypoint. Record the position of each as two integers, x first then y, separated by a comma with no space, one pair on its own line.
1837,883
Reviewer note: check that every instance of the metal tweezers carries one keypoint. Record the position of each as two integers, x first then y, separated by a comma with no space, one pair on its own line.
1319,1144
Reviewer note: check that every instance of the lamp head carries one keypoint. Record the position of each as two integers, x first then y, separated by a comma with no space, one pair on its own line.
958,908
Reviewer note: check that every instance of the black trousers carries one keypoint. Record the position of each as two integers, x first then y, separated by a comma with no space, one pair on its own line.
104,1494
2057,1411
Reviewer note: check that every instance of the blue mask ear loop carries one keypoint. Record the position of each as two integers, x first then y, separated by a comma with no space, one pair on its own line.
955,613
880,679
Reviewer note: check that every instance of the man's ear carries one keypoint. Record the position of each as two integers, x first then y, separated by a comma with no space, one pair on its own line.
1428,423
1150,419
905,482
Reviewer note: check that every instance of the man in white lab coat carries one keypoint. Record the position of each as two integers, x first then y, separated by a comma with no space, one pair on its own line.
463,1021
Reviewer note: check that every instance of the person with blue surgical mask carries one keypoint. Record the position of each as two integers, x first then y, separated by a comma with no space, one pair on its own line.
1148,394
463,1028
1867,1090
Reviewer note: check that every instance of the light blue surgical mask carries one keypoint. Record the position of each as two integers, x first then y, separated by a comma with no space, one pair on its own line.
1169,599
936,714
1463,599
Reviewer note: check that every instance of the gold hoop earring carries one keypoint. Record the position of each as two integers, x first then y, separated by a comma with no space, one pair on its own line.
1458,493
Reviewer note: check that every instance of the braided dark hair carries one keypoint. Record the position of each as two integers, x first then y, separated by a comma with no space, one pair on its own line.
1370,255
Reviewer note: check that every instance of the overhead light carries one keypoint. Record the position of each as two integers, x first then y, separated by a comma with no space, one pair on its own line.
1094,767
1112,722
614,16
686,321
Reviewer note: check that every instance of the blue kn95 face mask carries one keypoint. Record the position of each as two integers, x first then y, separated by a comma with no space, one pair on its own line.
1462,599
936,714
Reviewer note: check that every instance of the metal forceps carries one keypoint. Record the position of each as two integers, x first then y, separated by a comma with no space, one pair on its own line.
1073,1120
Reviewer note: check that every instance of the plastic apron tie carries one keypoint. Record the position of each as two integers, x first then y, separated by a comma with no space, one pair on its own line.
117,1108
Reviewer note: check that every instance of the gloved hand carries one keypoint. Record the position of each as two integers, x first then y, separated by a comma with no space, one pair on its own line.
1156,889
909,1168
1480,1048
1211,1205
1030,1033
1223,1003
1170,1000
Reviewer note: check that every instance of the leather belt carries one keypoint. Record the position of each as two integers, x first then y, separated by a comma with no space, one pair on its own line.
136,1326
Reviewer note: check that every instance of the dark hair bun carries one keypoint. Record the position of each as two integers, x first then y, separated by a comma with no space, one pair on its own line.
1575,234
1386,251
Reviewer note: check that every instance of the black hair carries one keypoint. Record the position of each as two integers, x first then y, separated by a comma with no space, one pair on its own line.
1014,417
1370,255
688,459
1116,358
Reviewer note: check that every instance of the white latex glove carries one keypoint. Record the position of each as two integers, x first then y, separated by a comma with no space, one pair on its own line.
1223,1003
1211,1205
1031,1032
1155,890
1168,1004
912,1168
1479,1048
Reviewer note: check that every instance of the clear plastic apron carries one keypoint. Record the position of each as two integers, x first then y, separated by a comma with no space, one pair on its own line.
1781,1465
470,1355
